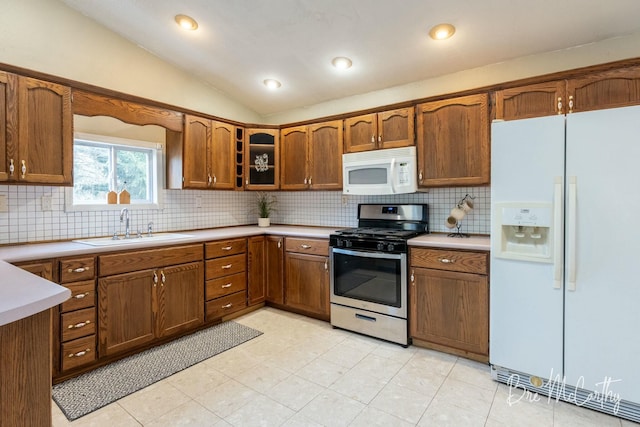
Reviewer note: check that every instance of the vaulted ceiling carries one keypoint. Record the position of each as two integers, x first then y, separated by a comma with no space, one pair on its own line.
240,43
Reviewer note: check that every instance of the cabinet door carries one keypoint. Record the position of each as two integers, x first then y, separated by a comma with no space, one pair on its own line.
543,99
126,311
197,137
223,153
274,264
609,89
396,128
453,142
325,156
360,133
256,270
307,283
45,133
294,156
181,298
262,159
450,309
8,125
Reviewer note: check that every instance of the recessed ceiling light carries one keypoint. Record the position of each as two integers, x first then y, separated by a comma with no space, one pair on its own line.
272,84
187,22
341,63
442,31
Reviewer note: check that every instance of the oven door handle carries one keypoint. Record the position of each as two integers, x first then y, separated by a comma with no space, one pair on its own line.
367,254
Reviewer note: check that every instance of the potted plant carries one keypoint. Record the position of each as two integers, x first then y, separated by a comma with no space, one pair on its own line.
266,205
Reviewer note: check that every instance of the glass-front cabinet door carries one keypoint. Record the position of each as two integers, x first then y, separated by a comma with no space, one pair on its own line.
262,159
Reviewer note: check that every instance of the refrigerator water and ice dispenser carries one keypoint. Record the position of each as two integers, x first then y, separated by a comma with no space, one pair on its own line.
524,231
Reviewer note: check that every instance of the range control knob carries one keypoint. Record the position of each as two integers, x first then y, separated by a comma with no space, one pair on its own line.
391,247
348,243
380,246
339,243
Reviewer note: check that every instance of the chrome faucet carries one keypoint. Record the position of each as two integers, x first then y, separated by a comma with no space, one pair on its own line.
124,215
150,229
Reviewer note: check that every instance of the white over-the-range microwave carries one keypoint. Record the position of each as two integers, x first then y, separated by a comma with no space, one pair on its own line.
378,172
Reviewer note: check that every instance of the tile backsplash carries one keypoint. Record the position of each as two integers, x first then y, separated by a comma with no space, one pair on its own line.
26,221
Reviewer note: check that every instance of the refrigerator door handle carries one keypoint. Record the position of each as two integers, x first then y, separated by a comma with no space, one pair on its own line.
557,233
571,233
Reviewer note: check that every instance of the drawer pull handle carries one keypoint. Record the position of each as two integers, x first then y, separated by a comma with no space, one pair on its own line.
80,296
80,353
227,248
79,269
226,267
447,261
79,325
228,285
227,306
305,246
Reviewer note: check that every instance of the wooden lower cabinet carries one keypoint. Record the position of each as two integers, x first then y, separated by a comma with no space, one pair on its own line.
138,307
307,276
449,296
274,265
226,278
256,280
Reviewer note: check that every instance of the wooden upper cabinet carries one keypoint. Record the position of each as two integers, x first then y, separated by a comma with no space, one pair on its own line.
197,134
262,157
311,157
608,89
387,129
223,156
453,142
8,121
543,99
325,155
294,158
37,131
209,154
595,91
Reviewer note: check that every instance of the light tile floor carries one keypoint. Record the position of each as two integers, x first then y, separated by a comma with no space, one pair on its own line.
302,372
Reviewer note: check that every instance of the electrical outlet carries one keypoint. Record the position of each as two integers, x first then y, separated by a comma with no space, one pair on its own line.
4,206
198,202
345,200
46,203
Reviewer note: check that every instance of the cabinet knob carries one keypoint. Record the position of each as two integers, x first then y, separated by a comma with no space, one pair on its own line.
226,248
447,261
309,180
155,279
11,167
413,278
559,105
279,243
163,277
23,169
228,285
305,181
380,138
226,267
209,179
81,296
79,270
326,264
215,179
80,353
420,176
570,103
79,325
305,246
373,138
227,305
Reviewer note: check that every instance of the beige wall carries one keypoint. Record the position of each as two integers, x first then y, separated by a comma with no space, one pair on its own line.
47,36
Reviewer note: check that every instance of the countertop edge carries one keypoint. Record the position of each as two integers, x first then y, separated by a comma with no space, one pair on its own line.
475,243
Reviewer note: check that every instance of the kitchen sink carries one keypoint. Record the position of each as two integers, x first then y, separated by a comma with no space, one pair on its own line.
109,241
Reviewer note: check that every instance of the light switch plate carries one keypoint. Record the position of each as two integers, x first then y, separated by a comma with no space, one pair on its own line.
46,203
4,206
198,202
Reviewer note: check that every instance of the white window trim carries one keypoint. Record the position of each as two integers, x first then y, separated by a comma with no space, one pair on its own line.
158,171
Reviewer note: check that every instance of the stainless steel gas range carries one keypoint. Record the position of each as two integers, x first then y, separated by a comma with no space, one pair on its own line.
369,266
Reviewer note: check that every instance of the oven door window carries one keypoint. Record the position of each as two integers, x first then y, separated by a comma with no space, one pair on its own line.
371,277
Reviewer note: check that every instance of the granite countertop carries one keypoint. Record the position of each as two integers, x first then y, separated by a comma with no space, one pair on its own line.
23,294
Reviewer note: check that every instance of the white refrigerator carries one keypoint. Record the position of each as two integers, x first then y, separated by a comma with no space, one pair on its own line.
565,257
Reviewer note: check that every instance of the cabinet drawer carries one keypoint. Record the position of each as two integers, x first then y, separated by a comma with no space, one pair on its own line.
75,269
126,262
220,307
78,323
467,262
225,266
226,285
83,295
78,352
307,246
225,248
